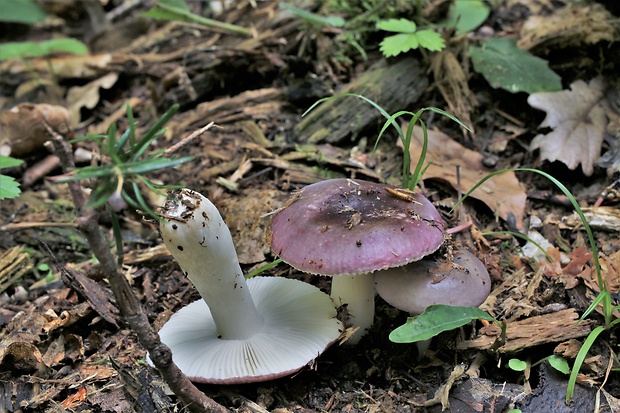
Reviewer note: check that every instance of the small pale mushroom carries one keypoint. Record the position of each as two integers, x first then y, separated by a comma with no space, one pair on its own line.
241,332
350,228
462,281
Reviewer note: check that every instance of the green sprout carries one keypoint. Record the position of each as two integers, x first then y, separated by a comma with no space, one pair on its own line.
408,37
124,163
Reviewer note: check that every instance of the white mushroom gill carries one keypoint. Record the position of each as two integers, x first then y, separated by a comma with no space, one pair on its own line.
198,238
241,332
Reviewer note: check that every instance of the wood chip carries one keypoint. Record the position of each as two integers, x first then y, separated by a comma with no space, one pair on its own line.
533,331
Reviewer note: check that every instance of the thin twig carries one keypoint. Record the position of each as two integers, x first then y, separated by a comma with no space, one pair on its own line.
186,141
126,300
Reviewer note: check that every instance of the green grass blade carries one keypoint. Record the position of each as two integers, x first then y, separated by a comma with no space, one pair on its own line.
144,206
150,134
417,172
102,192
130,201
110,145
118,148
142,167
391,120
581,356
264,268
87,172
598,300
586,226
132,126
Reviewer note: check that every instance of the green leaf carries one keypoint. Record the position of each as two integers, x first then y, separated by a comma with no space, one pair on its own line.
467,15
9,187
35,49
506,66
8,162
398,43
559,363
397,25
431,40
517,365
436,319
315,19
21,11
168,10
177,10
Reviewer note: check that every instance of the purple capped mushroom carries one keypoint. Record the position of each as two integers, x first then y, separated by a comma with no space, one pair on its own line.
350,228
240,332
462,280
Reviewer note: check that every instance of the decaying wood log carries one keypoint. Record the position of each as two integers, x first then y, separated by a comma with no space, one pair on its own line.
394,87
533,331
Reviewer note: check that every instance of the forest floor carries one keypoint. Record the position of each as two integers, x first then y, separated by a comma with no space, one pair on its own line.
58,353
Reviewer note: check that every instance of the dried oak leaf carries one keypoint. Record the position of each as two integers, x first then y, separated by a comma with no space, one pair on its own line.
503,193
88,96
578,119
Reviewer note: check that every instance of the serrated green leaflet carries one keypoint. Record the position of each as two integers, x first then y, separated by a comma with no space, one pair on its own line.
430,40
8,162
397,25
9,187
436,319
399,43
506,66
408,37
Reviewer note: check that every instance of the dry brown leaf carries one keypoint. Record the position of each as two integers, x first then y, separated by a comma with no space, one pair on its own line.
71,66
610,269
578,119
87,96
569,26
24,127
503,193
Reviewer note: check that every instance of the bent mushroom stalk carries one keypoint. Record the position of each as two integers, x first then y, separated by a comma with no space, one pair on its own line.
350,228
241,331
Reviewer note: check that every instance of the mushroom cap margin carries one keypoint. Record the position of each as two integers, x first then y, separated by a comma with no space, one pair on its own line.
299,325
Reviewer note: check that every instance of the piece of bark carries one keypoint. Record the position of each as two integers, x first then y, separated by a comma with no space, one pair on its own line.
394,87
533,331
99,298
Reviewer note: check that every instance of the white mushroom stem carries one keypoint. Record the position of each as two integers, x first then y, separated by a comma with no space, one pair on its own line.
358,293
198,238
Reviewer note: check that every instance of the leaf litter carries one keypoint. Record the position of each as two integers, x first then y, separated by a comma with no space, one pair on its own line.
57,349
451,162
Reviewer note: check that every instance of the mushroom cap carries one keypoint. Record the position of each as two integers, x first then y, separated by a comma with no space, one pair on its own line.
299,324
346,226
416,286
